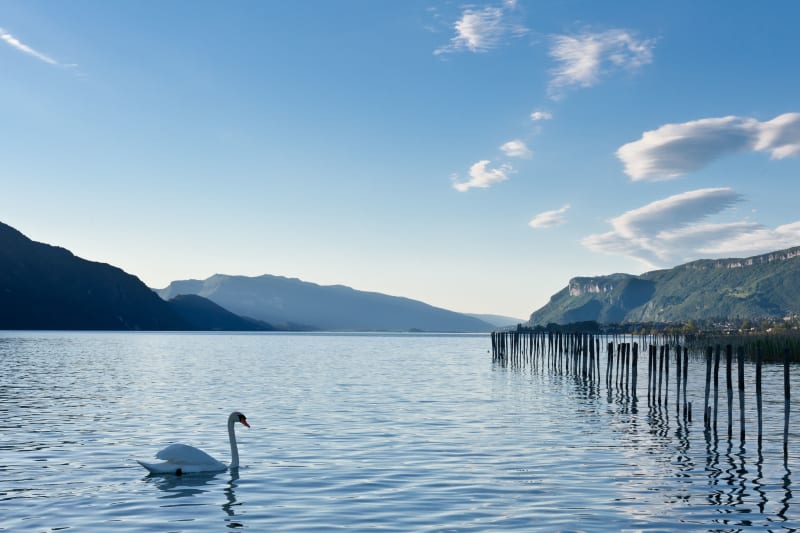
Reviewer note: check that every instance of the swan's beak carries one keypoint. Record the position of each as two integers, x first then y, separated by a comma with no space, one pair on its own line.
244,422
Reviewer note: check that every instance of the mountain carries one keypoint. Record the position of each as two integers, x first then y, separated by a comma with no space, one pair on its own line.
761,286
204,315
284,301
47,287
498,321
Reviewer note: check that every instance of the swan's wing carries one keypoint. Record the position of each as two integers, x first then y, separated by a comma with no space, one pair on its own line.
181,454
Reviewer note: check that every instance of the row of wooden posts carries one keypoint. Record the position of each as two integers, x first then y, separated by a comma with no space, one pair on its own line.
579,354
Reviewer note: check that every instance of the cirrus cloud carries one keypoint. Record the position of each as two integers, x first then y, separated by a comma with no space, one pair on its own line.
675,230
480,30
549,219
673,150
483,177
583,59
22,47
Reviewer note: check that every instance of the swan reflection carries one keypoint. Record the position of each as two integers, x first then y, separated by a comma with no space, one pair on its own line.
192,485
185,485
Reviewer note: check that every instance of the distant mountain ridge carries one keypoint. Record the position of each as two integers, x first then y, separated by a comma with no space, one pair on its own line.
285,301
205,315
47,287
765,285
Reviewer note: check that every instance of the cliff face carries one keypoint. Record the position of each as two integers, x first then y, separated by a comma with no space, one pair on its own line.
766,285
596,285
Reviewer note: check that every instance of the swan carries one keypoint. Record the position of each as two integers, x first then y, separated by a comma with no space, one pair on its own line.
181,459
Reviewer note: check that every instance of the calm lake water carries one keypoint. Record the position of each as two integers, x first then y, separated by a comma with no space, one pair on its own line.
366,432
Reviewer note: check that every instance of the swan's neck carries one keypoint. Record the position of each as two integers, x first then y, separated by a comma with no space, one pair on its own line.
234,448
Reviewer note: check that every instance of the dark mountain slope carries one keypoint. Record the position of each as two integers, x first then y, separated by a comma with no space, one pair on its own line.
205,315
47,287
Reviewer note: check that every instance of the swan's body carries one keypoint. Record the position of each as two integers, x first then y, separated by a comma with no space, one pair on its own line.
182,459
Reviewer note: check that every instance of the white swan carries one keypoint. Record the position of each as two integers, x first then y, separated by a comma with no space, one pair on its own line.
182,459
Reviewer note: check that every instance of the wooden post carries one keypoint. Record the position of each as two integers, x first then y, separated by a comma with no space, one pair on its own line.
729,387
759,402
678,373
706,417
740,368
666,374
716,385
685,376
786,397
635,373
649,373
660,371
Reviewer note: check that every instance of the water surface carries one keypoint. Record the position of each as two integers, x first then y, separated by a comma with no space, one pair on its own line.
365,432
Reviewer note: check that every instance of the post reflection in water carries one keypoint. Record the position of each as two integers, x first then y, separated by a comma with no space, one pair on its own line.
739,488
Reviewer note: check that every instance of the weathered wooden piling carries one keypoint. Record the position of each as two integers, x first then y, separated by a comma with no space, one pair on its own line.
706,413
716,385
729,388
759,401
666,374
635,373
628,367
740,368
660,371
579,354
787,394
687,407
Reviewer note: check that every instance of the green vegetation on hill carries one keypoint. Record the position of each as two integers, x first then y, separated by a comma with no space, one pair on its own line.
755,288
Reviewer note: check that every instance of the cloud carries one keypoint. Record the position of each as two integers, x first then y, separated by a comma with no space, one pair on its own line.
516,148
674,230
16,43
536,116
583,59
483,177
480,30
549,219
676,149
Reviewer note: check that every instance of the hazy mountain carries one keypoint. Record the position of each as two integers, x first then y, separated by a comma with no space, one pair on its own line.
46,287
498,321
279,300
761,286
203,314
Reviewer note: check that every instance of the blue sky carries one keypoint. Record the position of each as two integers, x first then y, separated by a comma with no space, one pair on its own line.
474,156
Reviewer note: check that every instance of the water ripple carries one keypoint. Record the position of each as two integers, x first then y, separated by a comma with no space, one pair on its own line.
362,432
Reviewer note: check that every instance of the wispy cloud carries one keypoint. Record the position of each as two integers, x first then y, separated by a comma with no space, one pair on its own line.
585,58
676,149
549,219
22,47
675,230
480,30
537,116
483,177
516,148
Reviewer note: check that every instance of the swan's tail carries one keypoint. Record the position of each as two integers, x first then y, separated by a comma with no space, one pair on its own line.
161,468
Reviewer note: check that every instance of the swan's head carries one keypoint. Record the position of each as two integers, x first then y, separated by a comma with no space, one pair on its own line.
236,416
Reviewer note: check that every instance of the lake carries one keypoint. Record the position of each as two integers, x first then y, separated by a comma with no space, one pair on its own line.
365,432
